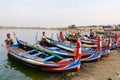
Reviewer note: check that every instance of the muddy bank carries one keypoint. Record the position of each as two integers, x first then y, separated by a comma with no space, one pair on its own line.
108,68
105,69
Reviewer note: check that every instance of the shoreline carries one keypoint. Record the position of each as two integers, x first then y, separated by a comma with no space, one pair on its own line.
104,69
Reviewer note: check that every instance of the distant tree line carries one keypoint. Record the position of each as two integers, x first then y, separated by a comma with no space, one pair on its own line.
72,27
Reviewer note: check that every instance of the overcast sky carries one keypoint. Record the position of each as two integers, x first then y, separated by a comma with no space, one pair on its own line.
58,13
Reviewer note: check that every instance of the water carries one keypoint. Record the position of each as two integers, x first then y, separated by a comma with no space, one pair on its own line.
12,70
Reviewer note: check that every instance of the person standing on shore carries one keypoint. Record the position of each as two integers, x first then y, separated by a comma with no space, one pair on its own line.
61,36
91,34
9,40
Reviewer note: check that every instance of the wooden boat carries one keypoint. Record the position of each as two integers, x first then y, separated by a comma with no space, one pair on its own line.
91,42
68,51
95,54
86,56
72,39
44,60
70,47
115,38
65,53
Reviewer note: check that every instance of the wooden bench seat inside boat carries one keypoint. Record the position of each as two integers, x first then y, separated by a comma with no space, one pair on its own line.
34,56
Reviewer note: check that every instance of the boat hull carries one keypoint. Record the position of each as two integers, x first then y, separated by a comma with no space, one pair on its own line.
67,64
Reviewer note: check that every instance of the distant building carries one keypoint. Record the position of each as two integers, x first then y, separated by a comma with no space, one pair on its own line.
117,27
87,28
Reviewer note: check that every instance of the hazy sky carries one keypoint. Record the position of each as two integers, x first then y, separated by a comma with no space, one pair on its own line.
58,13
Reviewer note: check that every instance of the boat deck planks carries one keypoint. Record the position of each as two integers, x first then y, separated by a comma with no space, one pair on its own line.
36,58
19,50
25,55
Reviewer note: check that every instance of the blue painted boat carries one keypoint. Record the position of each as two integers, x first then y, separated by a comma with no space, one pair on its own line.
87,54
33,56
94,55
91,42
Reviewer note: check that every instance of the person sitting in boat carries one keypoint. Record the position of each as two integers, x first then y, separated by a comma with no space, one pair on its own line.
61,36
43,40
8,40
91,34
